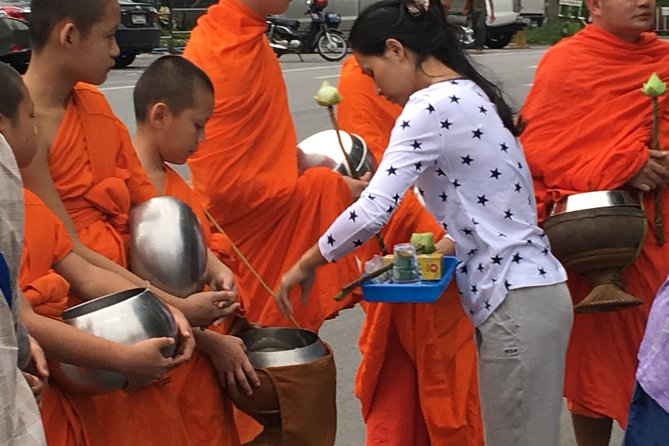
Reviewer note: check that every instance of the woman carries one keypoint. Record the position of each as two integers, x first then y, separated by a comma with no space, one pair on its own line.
456,140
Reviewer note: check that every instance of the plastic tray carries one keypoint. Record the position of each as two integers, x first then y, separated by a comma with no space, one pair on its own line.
424,291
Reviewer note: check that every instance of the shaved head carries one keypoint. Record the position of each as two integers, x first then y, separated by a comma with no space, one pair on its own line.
171,80
47,14
12,92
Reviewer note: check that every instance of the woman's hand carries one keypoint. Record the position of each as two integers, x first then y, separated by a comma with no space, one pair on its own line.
299,274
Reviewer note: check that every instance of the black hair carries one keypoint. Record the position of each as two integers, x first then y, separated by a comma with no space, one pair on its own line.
426,33
172,80
13,91
46,14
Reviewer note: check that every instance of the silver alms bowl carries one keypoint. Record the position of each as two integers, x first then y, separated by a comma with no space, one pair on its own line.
126,317
278,347
323,150
167,246
594,200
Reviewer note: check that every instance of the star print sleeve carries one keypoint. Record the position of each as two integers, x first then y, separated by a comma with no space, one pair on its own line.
414,144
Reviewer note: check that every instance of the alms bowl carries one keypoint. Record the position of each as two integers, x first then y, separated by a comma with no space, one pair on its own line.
126,317
167,246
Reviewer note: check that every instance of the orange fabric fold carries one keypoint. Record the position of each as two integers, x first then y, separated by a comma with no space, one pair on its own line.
247,167
99,177
436,338
97,173
46,243
589,128
210,416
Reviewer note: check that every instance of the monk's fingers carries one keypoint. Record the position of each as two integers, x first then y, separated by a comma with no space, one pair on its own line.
231,384
240,375
250,372
282,300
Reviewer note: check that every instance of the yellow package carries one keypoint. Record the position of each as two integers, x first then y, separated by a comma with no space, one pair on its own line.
430,266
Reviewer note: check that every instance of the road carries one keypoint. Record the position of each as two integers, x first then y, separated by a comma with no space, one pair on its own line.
513,70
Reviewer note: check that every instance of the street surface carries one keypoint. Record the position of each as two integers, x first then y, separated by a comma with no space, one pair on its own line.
512,69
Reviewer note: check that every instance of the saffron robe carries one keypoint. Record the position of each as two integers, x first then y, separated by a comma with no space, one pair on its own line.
210,416
99,177
67,418
587,129
247,167
437,338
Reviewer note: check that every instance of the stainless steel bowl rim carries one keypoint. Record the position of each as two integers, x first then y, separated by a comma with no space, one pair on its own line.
594,200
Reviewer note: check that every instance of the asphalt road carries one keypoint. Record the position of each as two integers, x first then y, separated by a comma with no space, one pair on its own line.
512,69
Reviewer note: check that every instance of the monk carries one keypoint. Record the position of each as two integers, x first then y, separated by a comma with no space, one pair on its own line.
88,174
419,361
173,101
21,424
50,271
247,167
587,129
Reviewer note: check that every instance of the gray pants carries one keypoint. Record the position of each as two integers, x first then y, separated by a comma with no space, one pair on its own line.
521,354
478,19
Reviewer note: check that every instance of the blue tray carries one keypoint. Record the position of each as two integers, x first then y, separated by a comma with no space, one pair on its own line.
425,291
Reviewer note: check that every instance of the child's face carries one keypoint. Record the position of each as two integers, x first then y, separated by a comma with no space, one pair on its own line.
21,132
183,133
95,52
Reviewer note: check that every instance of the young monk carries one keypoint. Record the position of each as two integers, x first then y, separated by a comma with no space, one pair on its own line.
48,268
173,101
88,174
247,167
418,361
21,423
599,138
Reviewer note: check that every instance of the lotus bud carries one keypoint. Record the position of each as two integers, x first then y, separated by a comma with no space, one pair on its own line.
327,95
654,86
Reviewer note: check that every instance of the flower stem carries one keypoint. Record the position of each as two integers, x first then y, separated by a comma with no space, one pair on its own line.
659,224
335,126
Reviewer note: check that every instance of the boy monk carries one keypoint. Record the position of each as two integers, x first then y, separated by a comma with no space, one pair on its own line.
47,265
85,168
173,101
86,171
418,361
247,167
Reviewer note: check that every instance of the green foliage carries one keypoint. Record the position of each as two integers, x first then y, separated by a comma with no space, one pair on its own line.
552,31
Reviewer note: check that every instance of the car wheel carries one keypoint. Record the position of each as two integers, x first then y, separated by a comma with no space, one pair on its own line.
124,59
498,40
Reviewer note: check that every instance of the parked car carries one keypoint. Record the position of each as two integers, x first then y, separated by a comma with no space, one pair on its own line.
139,31
14,39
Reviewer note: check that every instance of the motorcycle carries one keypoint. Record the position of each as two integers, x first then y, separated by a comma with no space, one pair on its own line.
321,36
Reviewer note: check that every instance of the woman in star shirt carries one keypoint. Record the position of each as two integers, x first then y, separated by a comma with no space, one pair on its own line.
456,140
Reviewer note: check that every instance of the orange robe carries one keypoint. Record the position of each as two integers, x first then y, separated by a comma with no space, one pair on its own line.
99,177
210,416
247,167
437,338
588,128
68,418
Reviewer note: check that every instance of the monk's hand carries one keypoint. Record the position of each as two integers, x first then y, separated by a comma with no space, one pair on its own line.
36,385
38,372
357,186
232,365
210,307
224,280
186,341
143,363
300,274
654,174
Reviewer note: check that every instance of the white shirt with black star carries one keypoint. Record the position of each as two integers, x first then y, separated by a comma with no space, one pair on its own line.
450,142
